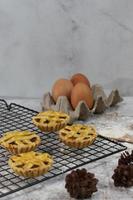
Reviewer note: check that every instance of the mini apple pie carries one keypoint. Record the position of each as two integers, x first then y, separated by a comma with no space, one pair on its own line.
78,135
31,164
50,121
19,141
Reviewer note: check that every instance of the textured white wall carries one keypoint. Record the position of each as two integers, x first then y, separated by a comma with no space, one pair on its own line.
42,40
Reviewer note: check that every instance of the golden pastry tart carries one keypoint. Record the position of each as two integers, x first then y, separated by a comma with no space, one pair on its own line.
19,141
50,121
78,135
30,164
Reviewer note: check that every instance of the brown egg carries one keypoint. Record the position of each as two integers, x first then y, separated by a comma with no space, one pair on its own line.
62,87
76,78
81,92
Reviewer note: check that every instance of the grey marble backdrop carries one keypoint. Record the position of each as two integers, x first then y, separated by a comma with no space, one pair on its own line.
42,40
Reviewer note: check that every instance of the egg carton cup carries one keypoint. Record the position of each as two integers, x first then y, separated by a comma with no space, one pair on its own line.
82,112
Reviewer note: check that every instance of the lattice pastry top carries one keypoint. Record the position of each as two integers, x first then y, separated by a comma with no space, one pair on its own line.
50,120
20,141
78,135
31,164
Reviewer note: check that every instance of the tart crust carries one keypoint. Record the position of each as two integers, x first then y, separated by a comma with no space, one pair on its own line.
20,141
78,135
50,121
31,164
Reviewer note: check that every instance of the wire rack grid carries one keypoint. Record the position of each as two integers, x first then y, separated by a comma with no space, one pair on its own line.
17,117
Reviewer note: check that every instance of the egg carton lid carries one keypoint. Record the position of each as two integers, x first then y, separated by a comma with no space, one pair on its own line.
82,112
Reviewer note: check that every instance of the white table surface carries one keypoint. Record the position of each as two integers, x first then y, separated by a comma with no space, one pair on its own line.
54,189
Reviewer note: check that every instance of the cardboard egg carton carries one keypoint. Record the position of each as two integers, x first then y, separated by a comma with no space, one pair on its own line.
82,112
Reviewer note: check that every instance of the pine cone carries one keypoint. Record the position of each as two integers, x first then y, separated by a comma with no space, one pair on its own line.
123,174
81,184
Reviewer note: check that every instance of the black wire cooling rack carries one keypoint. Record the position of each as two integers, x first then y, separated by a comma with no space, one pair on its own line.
14,117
